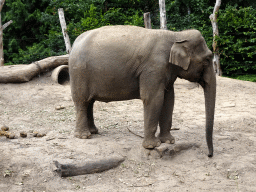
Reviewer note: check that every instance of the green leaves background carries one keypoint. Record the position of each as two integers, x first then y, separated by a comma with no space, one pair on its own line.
36,33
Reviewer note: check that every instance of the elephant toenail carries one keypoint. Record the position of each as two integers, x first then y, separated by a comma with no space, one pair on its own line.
150,146
173,141
168,142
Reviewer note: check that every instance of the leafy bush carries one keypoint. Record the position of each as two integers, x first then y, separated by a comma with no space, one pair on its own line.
248,77
237,40
36,32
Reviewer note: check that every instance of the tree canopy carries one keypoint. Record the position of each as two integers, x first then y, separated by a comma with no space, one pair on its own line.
36,33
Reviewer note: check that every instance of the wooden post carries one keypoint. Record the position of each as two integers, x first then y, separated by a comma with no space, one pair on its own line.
162,14
147,20
1,34
216,58
64,30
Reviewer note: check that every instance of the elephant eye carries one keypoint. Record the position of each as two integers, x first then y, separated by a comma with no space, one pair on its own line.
209,60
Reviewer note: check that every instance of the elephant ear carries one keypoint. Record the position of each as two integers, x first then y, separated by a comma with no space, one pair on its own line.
179,55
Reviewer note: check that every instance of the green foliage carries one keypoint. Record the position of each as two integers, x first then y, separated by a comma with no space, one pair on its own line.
190,14
237,28
33,53
237,39
248,77
36,32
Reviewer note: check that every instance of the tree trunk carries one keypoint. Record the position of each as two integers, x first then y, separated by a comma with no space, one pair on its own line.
1,35
162,14
24,73
147,20
64,30
216,58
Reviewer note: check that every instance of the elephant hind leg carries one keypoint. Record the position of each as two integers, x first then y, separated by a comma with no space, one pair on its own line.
84,120
92,128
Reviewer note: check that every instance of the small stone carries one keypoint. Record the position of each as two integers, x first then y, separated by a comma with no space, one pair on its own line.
5,128
41,134
23,134
35,134
10,135
7,134
59,107
3,133
163,149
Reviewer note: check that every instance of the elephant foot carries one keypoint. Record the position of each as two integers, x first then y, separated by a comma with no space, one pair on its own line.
83,134
167,138
151,143
93,130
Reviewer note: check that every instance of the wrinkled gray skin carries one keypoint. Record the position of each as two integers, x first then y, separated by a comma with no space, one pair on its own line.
115,63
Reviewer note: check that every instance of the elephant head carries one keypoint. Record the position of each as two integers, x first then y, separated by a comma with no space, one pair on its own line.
192,60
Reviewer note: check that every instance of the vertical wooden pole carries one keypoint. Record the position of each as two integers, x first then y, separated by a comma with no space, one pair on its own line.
1,36
147,20
216,58
64,30
162,14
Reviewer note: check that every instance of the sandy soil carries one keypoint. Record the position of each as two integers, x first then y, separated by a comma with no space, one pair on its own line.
26,164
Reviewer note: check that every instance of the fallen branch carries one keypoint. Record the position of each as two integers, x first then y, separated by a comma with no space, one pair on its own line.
134,133
173,129
67,170
24,73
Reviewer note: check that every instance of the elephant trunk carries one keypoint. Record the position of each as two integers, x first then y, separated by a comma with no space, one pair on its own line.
209,86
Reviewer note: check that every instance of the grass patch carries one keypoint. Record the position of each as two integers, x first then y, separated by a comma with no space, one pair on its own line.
247,77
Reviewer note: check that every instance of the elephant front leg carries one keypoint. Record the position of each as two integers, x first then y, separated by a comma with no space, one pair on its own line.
152,110
165,120
82,130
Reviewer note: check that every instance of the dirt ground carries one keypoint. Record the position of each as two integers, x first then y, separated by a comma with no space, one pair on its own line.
26,164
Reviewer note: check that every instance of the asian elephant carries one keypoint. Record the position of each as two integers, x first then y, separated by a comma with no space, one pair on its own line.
115,63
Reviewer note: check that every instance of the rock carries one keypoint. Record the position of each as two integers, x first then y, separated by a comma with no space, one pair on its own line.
23,134
5,128
41,135
163,148
35,134
59,107
3,133
10,135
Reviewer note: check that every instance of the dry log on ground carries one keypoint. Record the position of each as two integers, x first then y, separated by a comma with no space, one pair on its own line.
67,170
24,73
